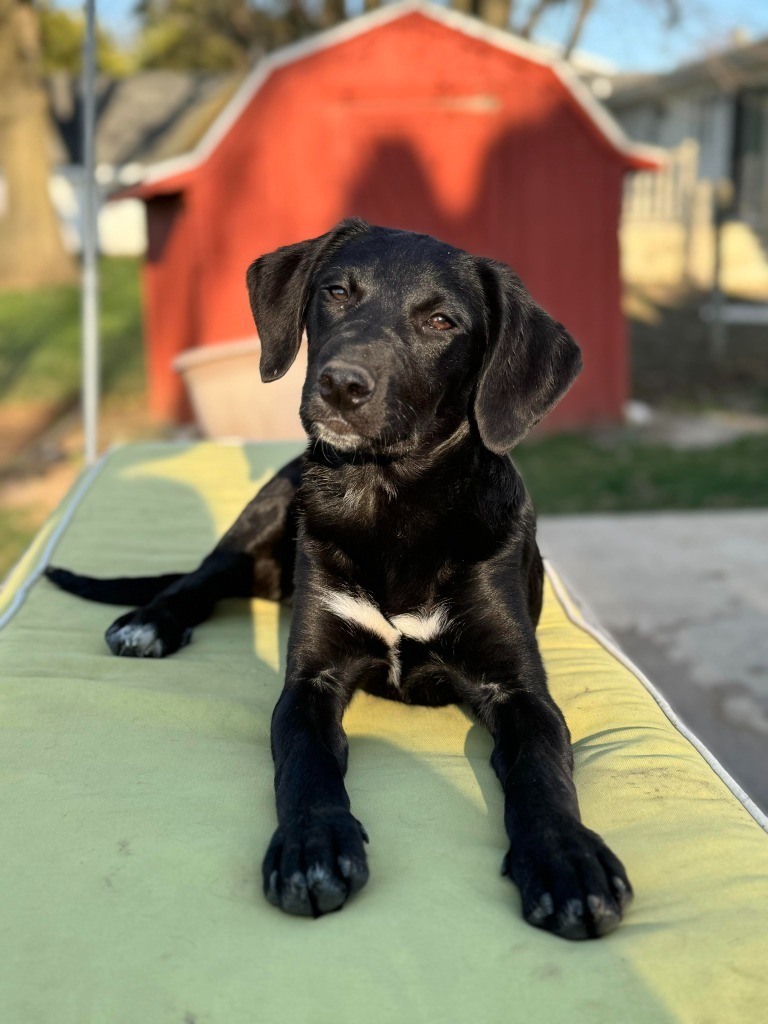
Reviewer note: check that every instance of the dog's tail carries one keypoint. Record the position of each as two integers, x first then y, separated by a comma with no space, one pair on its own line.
127,590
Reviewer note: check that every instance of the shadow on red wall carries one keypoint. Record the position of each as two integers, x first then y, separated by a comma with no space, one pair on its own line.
557,229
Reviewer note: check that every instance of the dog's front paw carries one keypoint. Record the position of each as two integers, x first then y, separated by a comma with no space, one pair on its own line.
146,633
570,882
313,865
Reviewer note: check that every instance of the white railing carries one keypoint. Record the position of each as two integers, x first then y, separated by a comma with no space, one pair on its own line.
674,194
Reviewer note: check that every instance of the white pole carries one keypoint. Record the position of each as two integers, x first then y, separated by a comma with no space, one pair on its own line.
90,280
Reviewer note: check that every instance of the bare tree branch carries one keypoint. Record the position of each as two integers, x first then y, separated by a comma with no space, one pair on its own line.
534,15
585,8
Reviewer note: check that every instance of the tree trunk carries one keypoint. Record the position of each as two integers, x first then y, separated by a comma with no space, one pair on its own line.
31,249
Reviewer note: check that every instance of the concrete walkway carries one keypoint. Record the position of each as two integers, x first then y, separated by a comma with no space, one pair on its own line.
686,596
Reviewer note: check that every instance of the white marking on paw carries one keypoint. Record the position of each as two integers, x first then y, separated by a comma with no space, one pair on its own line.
598,907
298,883
572,912
317,874
623,894
543,909
141,639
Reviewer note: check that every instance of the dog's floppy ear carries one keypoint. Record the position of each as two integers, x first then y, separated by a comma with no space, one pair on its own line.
529,364
278,291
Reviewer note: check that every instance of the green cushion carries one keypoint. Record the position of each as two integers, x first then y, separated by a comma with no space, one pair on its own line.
136,803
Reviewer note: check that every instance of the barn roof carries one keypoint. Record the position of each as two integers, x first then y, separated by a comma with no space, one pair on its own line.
172,175
143,119
727,71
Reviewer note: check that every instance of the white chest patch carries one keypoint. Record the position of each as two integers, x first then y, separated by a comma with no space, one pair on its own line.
363,613
423,626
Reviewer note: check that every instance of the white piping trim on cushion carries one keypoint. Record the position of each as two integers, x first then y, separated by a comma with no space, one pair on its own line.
80,491
566,600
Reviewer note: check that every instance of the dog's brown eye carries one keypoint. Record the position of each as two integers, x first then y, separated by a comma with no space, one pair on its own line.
440,323
337,293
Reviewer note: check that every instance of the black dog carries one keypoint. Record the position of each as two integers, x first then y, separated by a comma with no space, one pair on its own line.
408,539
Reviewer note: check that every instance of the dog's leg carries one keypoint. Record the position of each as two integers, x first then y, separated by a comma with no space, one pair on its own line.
165,624
570,882
316,859
253,559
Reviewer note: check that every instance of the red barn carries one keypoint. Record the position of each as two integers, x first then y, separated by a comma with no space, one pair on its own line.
412,117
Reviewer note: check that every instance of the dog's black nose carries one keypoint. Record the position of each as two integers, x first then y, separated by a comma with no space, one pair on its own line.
345,385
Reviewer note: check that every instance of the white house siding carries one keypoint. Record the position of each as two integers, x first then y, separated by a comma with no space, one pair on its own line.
706,117
716,157
122,223
709,119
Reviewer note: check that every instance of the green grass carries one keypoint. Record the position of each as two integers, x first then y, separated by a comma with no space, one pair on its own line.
573,474
40,361
40,339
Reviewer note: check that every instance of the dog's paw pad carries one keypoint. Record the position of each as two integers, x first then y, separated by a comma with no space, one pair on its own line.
327,891
355,871
271,890
622,891
603,913
570,920
542,910
331,843
138,640
296,896
574,886
146,634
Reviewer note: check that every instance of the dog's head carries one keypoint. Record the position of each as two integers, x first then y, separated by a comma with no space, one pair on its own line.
408,339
